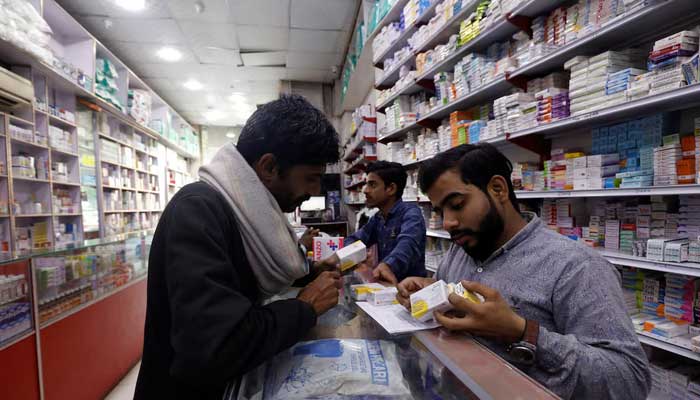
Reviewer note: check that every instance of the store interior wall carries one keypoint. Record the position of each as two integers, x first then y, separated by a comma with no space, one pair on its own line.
216,136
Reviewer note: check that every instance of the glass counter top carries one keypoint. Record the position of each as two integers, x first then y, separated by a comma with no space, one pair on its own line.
435,364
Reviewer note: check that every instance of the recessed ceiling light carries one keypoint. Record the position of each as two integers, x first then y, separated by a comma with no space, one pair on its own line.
132,5
193,84
169,54
231,135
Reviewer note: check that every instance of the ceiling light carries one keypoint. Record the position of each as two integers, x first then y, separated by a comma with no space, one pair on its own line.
132,5
237,98
231,135
193,84
169,54
198,7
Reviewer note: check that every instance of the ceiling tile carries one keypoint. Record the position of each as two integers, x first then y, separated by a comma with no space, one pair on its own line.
154,9
161,31
260,12
218,56
302,59
200,34
314,40
327,14
266,58
263,38
135,54
214,11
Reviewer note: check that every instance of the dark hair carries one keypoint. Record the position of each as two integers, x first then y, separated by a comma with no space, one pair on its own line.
291,129
390,172
477,164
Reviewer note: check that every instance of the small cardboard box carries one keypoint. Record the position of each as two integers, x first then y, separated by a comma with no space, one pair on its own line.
325,247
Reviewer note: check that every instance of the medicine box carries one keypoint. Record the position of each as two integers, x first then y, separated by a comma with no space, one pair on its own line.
361,292
325,247
352,255
384,297
430,299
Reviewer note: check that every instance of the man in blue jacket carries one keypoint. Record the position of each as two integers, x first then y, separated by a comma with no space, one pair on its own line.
398,229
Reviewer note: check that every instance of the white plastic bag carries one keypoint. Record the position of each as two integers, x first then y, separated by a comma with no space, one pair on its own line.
335,367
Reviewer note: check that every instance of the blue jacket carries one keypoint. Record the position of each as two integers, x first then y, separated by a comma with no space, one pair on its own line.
400,239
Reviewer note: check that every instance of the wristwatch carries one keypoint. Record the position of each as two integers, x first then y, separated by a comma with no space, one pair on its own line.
525,351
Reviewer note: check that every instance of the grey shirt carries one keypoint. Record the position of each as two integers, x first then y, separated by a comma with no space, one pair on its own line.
587,347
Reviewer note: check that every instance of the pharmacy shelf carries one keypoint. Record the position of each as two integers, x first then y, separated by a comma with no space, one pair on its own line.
128,189
111,187
402,40
390,77
396,134
42,215
12,300
13,55
616,32
359,165
20,121
27,143
115,140
626,260
683,98
646,191
113,211
409,89
437,233
500,30
66,152
356,150
393,15
680,345
67,214
361,80
61,122
60,183
22,178
623,31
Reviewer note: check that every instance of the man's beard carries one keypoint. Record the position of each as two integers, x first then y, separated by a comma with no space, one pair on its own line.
490,229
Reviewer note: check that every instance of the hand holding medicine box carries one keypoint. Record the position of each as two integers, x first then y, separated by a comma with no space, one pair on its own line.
352,255
325,247
425,302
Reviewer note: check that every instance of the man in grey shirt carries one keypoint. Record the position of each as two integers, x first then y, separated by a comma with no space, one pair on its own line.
553,307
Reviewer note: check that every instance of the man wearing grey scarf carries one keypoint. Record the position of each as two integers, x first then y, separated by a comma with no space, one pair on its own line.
223,248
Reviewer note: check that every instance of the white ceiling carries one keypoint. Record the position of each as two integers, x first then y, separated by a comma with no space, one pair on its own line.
233,46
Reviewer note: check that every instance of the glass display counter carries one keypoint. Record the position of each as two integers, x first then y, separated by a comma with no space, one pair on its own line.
435,364
16,319
70,278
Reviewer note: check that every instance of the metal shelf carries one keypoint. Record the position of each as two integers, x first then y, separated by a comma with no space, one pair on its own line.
646,191
680,346
397,134
66,152
686,97
621,259
61,121
402,41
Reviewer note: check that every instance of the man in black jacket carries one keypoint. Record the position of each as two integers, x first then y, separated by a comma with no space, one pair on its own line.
223,247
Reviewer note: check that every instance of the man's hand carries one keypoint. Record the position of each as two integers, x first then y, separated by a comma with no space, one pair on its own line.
331,263
409,286
383,273
322,294
493,318
307,239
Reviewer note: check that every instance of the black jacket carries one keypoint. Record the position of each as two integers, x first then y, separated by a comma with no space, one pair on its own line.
204,324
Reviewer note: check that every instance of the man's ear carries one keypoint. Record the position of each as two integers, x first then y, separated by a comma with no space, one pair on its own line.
498,188
391,189
266,168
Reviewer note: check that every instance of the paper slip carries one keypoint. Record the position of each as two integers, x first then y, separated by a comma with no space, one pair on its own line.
395,319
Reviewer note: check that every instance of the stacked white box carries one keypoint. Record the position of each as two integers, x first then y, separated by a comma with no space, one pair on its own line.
665,159
612,234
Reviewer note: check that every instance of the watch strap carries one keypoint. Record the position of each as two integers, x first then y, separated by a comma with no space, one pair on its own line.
532,332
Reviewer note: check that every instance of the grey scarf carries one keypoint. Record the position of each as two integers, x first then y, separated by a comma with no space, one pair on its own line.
270,242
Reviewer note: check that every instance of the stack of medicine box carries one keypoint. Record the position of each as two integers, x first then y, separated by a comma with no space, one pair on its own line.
556,27
555,170
612,234
697,149
639,86
632,287
513,110
689,217
549,214
618,83
541,181
667,59
552,105
589,76
680,297
686,166
573,160
659,210
565,220
653,293
665,159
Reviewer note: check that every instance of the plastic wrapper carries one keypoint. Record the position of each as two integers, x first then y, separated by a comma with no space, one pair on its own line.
336,369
